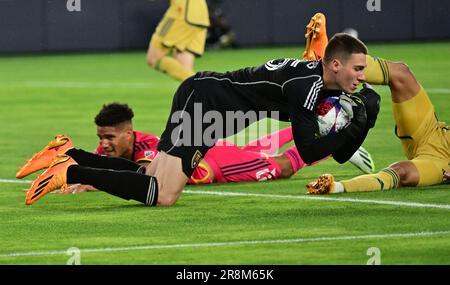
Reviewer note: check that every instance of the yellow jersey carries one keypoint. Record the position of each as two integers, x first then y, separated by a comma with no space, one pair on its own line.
194,12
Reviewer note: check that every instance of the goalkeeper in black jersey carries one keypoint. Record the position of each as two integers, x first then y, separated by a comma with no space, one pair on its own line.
290,89
209,106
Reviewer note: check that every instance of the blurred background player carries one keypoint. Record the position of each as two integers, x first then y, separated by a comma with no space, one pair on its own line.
179,37
425,140
225,162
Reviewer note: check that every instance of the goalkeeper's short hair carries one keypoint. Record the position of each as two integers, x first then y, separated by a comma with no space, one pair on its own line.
342,46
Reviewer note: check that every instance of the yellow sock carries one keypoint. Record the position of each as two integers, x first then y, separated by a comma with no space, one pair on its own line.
386,179
377,71
173,68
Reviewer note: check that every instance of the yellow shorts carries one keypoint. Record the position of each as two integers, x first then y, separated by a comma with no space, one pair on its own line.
425,140
175,34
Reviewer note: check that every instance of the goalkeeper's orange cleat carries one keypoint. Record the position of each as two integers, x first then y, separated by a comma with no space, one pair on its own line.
55,177
44,158
316,38
323,185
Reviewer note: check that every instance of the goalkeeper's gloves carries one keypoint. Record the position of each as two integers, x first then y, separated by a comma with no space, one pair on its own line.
347,104
371,101
358,124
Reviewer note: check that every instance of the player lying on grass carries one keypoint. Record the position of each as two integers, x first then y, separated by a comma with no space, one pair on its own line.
225,162
425,140
285,89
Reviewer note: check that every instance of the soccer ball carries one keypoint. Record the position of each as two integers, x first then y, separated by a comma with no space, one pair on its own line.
331,117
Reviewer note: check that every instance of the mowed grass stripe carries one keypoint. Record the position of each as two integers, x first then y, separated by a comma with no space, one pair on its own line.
231,243
15,181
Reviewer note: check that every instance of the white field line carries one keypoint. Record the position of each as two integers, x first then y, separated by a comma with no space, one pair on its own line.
299,197
127,85
15,181
335,199
231,243
438,90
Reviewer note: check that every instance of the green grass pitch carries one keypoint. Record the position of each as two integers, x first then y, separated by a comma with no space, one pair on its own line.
265,223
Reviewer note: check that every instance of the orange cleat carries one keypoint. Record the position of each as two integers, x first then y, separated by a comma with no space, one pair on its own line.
316,38
55,177
323,185
44,158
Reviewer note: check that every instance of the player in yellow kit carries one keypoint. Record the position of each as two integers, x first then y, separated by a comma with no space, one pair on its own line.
179,37
425,140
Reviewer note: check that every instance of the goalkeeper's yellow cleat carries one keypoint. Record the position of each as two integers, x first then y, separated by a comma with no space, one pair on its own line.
55,177
44,158
324,185
316,38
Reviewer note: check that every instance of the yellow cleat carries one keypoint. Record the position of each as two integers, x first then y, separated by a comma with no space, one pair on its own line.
324,185
316,38
55,177
44,158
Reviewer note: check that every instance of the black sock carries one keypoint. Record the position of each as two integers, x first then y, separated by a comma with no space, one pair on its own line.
121,183
85,158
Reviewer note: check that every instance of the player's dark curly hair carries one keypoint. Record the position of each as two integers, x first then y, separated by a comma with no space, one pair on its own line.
113,114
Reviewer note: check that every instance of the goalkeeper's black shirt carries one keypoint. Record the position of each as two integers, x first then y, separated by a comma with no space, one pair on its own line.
292,87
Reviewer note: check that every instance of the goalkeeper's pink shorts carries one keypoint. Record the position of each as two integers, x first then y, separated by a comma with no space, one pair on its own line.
232,164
